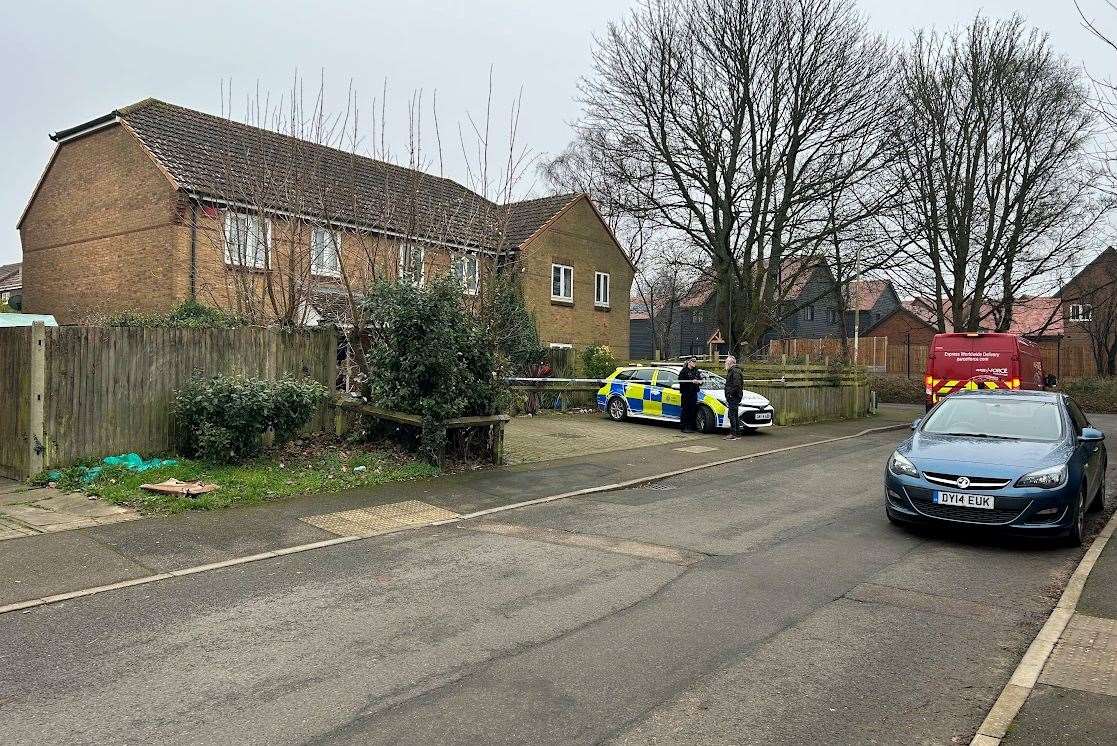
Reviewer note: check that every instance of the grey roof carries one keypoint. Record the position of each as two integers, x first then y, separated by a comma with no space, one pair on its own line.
220,159
11,276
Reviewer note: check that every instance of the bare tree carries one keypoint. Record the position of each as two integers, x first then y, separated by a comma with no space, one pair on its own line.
310,214
731,121
992,158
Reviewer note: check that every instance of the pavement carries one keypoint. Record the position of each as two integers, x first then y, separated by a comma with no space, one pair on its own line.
760,601
26,511
1074,700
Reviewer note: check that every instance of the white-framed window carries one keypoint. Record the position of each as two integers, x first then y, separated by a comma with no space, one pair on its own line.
831,315
325,252
467,270
809,313
560,346
601,289
562,282
412,265
247,240
1081,312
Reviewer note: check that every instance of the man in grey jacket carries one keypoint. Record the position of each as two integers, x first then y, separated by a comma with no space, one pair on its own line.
734,390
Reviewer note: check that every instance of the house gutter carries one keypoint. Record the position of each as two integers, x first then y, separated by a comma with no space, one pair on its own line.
84,129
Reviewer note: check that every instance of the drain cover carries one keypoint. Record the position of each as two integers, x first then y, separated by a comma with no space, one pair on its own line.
380,519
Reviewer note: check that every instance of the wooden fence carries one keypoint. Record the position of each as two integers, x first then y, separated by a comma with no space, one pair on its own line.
799,393
872,352
108,390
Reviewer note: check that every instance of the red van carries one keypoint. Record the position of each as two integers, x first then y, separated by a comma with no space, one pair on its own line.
980,360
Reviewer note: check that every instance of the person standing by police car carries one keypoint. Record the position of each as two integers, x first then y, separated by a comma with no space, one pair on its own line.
734,391
690,379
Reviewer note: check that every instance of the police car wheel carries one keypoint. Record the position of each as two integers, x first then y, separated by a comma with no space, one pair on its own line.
705,419
618,409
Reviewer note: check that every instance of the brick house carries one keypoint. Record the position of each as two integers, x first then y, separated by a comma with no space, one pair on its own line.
154,204
1089,306
11,285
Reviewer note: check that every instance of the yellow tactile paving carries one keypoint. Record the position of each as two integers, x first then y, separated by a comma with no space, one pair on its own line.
380,519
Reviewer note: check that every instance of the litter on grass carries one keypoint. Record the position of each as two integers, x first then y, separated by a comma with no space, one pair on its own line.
176,487
130,461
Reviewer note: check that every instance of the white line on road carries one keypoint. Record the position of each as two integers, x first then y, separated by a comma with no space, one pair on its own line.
46,600
1024,678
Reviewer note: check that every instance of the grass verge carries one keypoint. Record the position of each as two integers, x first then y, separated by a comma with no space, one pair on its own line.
295,470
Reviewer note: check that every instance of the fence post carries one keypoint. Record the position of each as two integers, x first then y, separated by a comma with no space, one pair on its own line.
36,438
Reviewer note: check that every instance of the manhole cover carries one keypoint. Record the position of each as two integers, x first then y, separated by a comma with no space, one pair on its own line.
380,519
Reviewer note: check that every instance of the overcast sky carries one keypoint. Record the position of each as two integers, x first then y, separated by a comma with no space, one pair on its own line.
68,62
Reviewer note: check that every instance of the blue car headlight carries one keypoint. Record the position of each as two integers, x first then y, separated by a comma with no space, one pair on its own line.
899,464
1046,479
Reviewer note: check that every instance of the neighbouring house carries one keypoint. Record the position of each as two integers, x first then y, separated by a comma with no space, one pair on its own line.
1089,310
154,204
811,309
11,285
915,322
869,302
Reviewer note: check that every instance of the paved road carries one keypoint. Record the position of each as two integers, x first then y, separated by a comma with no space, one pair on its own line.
766,602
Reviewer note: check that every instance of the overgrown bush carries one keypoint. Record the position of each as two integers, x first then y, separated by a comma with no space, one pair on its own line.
187,315
4,307
432,356
1094,394
598,362
511,326
222,419
898,389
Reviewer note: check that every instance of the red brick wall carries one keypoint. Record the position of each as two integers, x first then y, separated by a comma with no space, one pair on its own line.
99,236
578,239
898,326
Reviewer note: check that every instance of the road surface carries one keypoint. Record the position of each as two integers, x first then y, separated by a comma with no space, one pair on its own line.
766,601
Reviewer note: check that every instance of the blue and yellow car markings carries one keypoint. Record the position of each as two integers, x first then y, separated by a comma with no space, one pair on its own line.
651,400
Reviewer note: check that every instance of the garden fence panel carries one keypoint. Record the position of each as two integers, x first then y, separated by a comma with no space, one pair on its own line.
109,390
15,395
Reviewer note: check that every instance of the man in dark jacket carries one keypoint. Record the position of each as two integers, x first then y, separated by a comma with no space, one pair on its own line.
690,379
734,390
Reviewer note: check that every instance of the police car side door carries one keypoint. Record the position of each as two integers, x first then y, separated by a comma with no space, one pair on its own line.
666,382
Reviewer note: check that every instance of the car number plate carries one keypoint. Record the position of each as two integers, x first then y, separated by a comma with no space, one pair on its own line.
763,416
964,501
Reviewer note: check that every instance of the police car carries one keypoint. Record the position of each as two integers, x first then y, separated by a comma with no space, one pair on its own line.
652,392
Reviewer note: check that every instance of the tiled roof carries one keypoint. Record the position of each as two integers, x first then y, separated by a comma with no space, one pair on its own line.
865,294
1035,317
227,161
11,276
527,218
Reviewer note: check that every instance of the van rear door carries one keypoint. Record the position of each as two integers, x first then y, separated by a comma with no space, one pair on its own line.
973,361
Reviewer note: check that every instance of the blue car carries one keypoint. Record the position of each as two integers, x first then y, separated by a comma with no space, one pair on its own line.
1025,462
